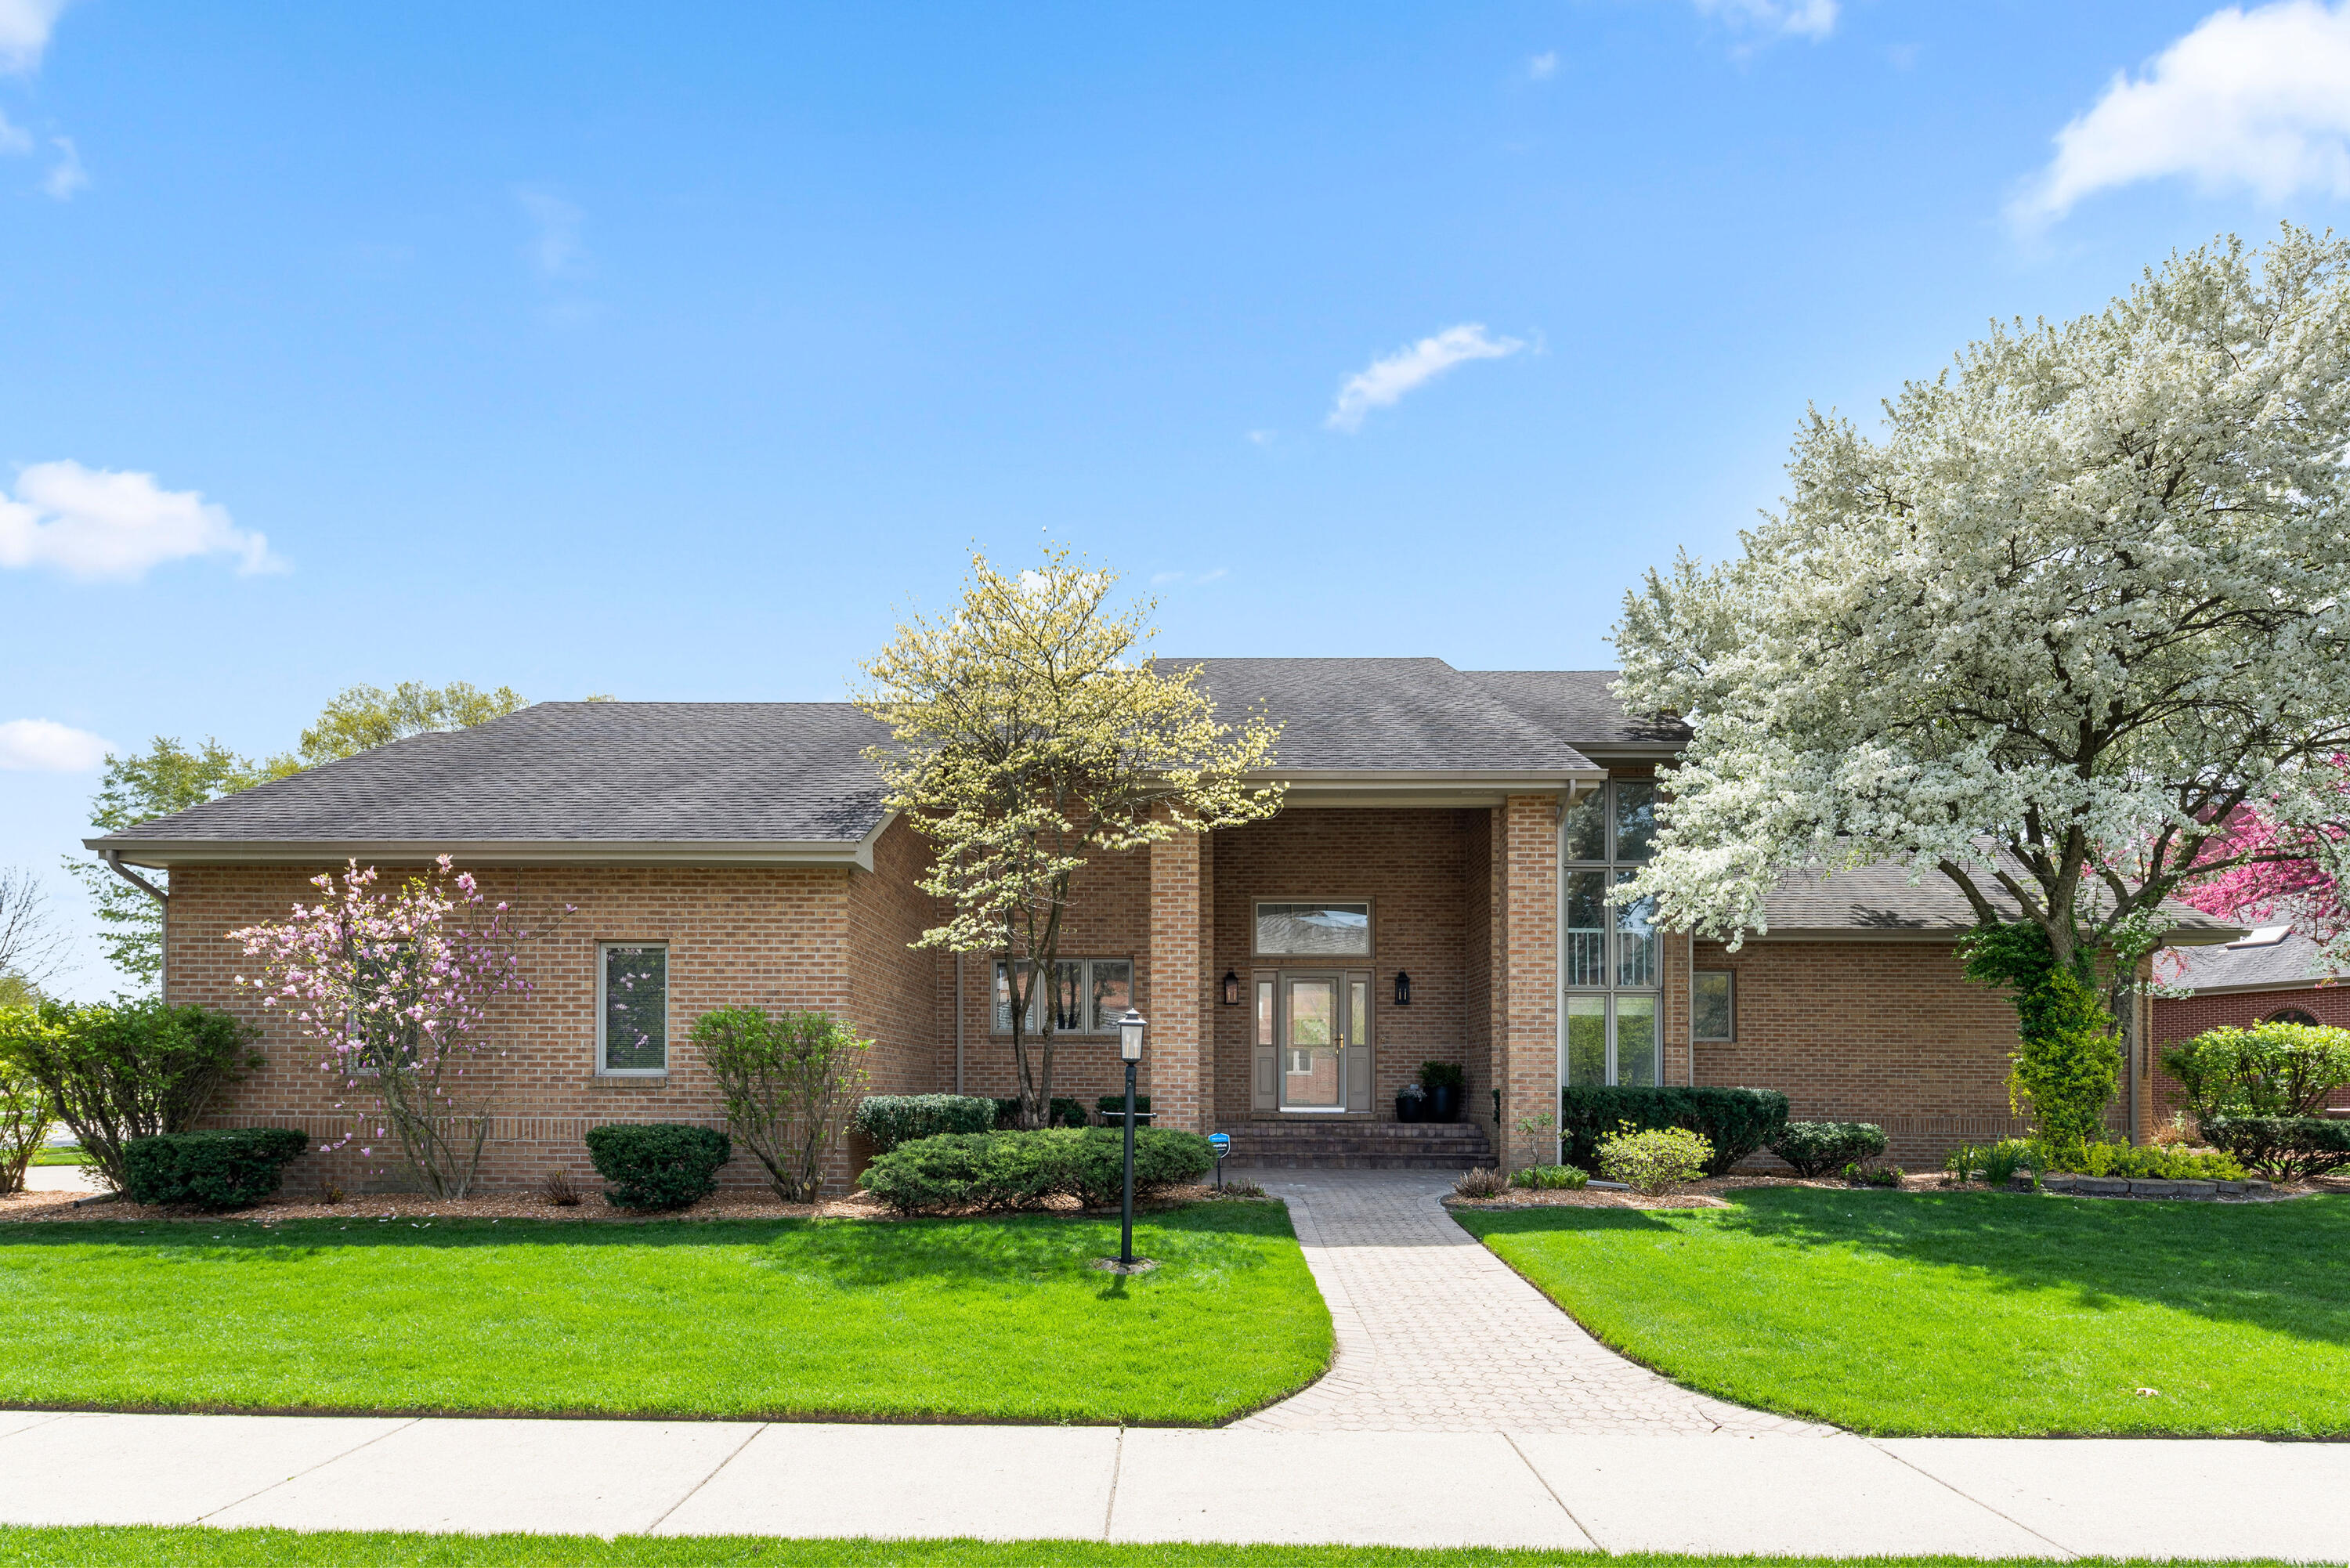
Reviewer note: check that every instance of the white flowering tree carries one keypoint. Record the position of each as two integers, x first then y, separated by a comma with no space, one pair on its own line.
2079,602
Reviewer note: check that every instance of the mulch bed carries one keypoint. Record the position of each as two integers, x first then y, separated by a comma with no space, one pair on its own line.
1706,1194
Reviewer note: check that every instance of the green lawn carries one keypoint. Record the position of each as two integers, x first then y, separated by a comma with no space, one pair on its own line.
999,1319
61,1154
192,1548
1968,1314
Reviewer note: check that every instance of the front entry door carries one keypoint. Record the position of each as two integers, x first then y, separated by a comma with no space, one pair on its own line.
1324,1041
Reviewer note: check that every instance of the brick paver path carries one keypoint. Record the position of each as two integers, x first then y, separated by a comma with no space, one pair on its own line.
1436,1334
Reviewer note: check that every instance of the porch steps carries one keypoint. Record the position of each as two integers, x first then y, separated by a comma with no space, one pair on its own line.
1358,1145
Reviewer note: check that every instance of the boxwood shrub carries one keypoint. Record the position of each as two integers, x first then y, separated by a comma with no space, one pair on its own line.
1815,1148
1733,1122
1066,1113
1021,1170
890,1120
225,1169
2283,1148
657,1165
1115,1104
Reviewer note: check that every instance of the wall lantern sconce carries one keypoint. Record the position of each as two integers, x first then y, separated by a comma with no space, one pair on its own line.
1403,989
1231,989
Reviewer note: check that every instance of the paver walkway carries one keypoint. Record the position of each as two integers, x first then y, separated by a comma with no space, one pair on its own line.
1436,1334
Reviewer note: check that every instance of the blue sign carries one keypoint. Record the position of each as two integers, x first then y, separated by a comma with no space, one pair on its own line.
1221,1143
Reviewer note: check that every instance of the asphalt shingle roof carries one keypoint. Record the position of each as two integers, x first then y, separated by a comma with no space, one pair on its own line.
588,772
1385,715
1579,705
1880,897
2294,961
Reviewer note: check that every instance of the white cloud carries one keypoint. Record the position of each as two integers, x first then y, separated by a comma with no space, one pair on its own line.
97,523
1543,66
24,29
67,175
555,248
44,746
1386,380
1262,437
2256,100
1812,19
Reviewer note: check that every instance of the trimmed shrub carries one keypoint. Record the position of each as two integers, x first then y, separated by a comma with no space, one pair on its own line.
116,1070
2265,1070
1656,1160
2283,1148
1735,1123
1017,1170
1442,1075
1815,1148
657,1165
892,1119
2152,1162
227,1169
1115,1104
1066,1113
1550,1179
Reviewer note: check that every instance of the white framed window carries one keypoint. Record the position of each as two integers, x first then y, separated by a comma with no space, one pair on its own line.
1611,958
1319,929
1713,1006
1087,997
631,1009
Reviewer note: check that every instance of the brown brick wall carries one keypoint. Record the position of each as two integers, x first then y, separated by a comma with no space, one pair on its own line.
1877,1032
894,992
774,937
1526,1054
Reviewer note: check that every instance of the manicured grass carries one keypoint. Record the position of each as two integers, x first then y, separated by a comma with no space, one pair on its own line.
1968,1314
995,1319
187,1547
61,1154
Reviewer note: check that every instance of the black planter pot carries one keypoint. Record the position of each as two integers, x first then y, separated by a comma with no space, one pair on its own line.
1444,1103
1411,1108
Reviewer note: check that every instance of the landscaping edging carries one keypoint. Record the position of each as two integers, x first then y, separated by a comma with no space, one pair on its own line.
2139,1187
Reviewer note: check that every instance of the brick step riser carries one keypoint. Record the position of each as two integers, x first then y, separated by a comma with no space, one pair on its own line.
1351,1162
1340,1146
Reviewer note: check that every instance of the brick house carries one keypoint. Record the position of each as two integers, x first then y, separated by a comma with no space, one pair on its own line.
2273,974
1433,890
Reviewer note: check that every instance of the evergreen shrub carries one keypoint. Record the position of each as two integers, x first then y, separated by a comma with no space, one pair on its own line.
890,1120
2283,1148
1002,1170
1815,1148
657,1165
225,1169
1735,1123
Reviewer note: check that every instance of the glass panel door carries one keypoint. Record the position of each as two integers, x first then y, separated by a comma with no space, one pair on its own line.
1312,1038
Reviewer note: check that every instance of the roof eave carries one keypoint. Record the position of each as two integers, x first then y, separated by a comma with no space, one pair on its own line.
168,853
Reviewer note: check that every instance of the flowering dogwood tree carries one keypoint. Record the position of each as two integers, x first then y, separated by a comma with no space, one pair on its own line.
2079,605
395,984
2277,869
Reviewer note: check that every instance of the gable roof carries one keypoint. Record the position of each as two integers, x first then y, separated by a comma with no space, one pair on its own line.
1580,704
2294,962
1386,716
750,780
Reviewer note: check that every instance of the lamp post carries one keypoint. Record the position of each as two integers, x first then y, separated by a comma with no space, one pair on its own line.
1129,1051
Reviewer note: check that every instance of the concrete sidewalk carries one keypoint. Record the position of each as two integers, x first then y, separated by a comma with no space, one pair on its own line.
1722,1492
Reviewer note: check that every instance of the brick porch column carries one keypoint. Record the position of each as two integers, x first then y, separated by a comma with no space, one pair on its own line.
1525,1050
1180,1056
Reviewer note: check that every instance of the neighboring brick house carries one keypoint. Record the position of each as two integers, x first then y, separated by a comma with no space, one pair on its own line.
1433,890
2271,973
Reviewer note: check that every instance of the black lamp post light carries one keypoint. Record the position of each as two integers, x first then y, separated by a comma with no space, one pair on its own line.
1129,1051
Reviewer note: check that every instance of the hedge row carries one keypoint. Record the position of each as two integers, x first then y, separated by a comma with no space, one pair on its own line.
890,1120
1735,1122
1022,1170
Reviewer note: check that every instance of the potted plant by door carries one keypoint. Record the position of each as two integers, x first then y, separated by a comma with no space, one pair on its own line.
1411,1104
1443,1081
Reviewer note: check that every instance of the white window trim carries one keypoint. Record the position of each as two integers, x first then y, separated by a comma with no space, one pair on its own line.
603,1013
1729,1038
1085,984
1328,960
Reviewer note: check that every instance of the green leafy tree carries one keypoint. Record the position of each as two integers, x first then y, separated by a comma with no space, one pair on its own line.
165,778
362,718
118,1071
1033,730
787,1079
2065,1063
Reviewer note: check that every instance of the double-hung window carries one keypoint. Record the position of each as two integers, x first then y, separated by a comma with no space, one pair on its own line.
1087,996
1613,960
631,1009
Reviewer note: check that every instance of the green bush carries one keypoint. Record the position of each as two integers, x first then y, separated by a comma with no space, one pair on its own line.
1066,1113
2263,1070
1995,1163
2146,1162
1859,1174
1551,1178
116,1070
25,1122
1815,1148
1442,1075
783,1077
1655,1160
1022,1170
892,1119
1733,1122
2283,1148
657,1165
227,1169
1116,1104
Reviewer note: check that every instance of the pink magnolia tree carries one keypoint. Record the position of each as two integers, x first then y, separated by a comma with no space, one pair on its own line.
396,983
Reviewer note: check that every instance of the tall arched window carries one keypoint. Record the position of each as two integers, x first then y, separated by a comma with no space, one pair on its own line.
1613,960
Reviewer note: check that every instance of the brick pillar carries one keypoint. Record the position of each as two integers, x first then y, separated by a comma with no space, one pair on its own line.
1181,1054
1526,1048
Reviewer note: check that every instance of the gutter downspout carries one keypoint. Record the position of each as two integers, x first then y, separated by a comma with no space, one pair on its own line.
114,859
1689,1005
959,1006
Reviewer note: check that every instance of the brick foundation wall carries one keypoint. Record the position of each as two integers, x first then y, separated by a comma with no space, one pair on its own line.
1877,1032
765,936
2182,1018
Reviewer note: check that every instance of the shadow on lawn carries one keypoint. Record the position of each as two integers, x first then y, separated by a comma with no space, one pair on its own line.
2283,1267
1007,1250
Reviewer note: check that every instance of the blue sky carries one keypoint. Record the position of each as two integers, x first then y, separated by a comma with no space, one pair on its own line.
666,354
